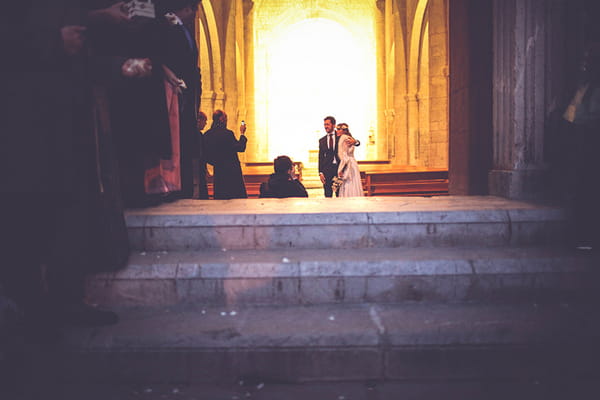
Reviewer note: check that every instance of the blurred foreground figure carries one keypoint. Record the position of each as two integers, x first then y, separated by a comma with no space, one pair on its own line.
180,57
581,139
60,208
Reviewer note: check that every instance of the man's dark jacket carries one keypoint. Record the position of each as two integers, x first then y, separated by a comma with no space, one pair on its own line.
280,186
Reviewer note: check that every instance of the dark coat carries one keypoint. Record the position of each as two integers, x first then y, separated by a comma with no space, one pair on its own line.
221,151
181,56
327,156
326,165
55,141
139,111
139,116
281,186
40,87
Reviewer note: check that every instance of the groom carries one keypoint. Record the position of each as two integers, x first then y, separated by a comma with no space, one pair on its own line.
328,157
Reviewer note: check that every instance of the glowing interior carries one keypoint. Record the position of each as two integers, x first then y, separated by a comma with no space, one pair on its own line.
308,70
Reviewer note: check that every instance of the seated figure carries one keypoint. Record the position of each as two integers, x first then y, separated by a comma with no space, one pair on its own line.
282,183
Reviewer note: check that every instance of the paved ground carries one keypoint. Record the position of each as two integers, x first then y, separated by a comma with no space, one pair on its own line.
579,390
319,204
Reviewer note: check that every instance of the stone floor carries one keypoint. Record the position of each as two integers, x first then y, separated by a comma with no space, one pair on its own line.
341,205
395,346
581,389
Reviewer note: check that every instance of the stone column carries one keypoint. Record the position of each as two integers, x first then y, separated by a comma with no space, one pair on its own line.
248,12
470,96
522,51
381,29
390,67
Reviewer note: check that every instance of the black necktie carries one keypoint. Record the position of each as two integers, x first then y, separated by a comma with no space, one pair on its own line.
331,142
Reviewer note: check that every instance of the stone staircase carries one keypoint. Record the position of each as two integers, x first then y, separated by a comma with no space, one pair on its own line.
382,289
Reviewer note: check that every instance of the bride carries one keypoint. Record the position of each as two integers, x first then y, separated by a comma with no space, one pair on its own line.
348,168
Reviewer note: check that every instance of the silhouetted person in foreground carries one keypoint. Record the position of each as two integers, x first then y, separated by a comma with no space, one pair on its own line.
582,141
180,55
283,182
58,185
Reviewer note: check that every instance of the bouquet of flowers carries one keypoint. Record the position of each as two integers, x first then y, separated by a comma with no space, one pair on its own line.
336,182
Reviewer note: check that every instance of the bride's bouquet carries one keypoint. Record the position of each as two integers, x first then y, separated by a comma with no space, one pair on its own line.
336,182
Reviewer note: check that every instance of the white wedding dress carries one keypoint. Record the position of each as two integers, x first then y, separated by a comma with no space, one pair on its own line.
352,186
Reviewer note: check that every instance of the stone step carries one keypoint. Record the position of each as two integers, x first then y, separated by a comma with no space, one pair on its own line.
323,223
267,344
386,275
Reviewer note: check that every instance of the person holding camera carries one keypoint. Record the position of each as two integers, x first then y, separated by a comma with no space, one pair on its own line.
283,182
221,152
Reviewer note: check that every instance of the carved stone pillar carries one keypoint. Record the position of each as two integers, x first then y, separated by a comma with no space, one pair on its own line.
470,102
522,68
248,40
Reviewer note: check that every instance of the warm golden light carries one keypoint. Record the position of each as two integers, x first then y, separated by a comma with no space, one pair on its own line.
283,65
308,70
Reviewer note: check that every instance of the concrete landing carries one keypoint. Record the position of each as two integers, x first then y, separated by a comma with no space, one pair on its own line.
343,223
536,389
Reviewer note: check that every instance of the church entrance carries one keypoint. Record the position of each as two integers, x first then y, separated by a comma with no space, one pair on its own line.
382,66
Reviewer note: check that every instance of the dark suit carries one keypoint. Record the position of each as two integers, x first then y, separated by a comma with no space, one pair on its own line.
280,186
328,162
180,54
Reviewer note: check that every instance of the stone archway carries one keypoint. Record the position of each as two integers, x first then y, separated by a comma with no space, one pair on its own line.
211,65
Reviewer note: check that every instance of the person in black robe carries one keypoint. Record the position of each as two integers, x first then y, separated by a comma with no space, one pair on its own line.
283,182
221,152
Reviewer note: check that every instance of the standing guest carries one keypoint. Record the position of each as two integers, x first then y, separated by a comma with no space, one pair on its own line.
180,55
201,158
139,111
283,182
221,152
